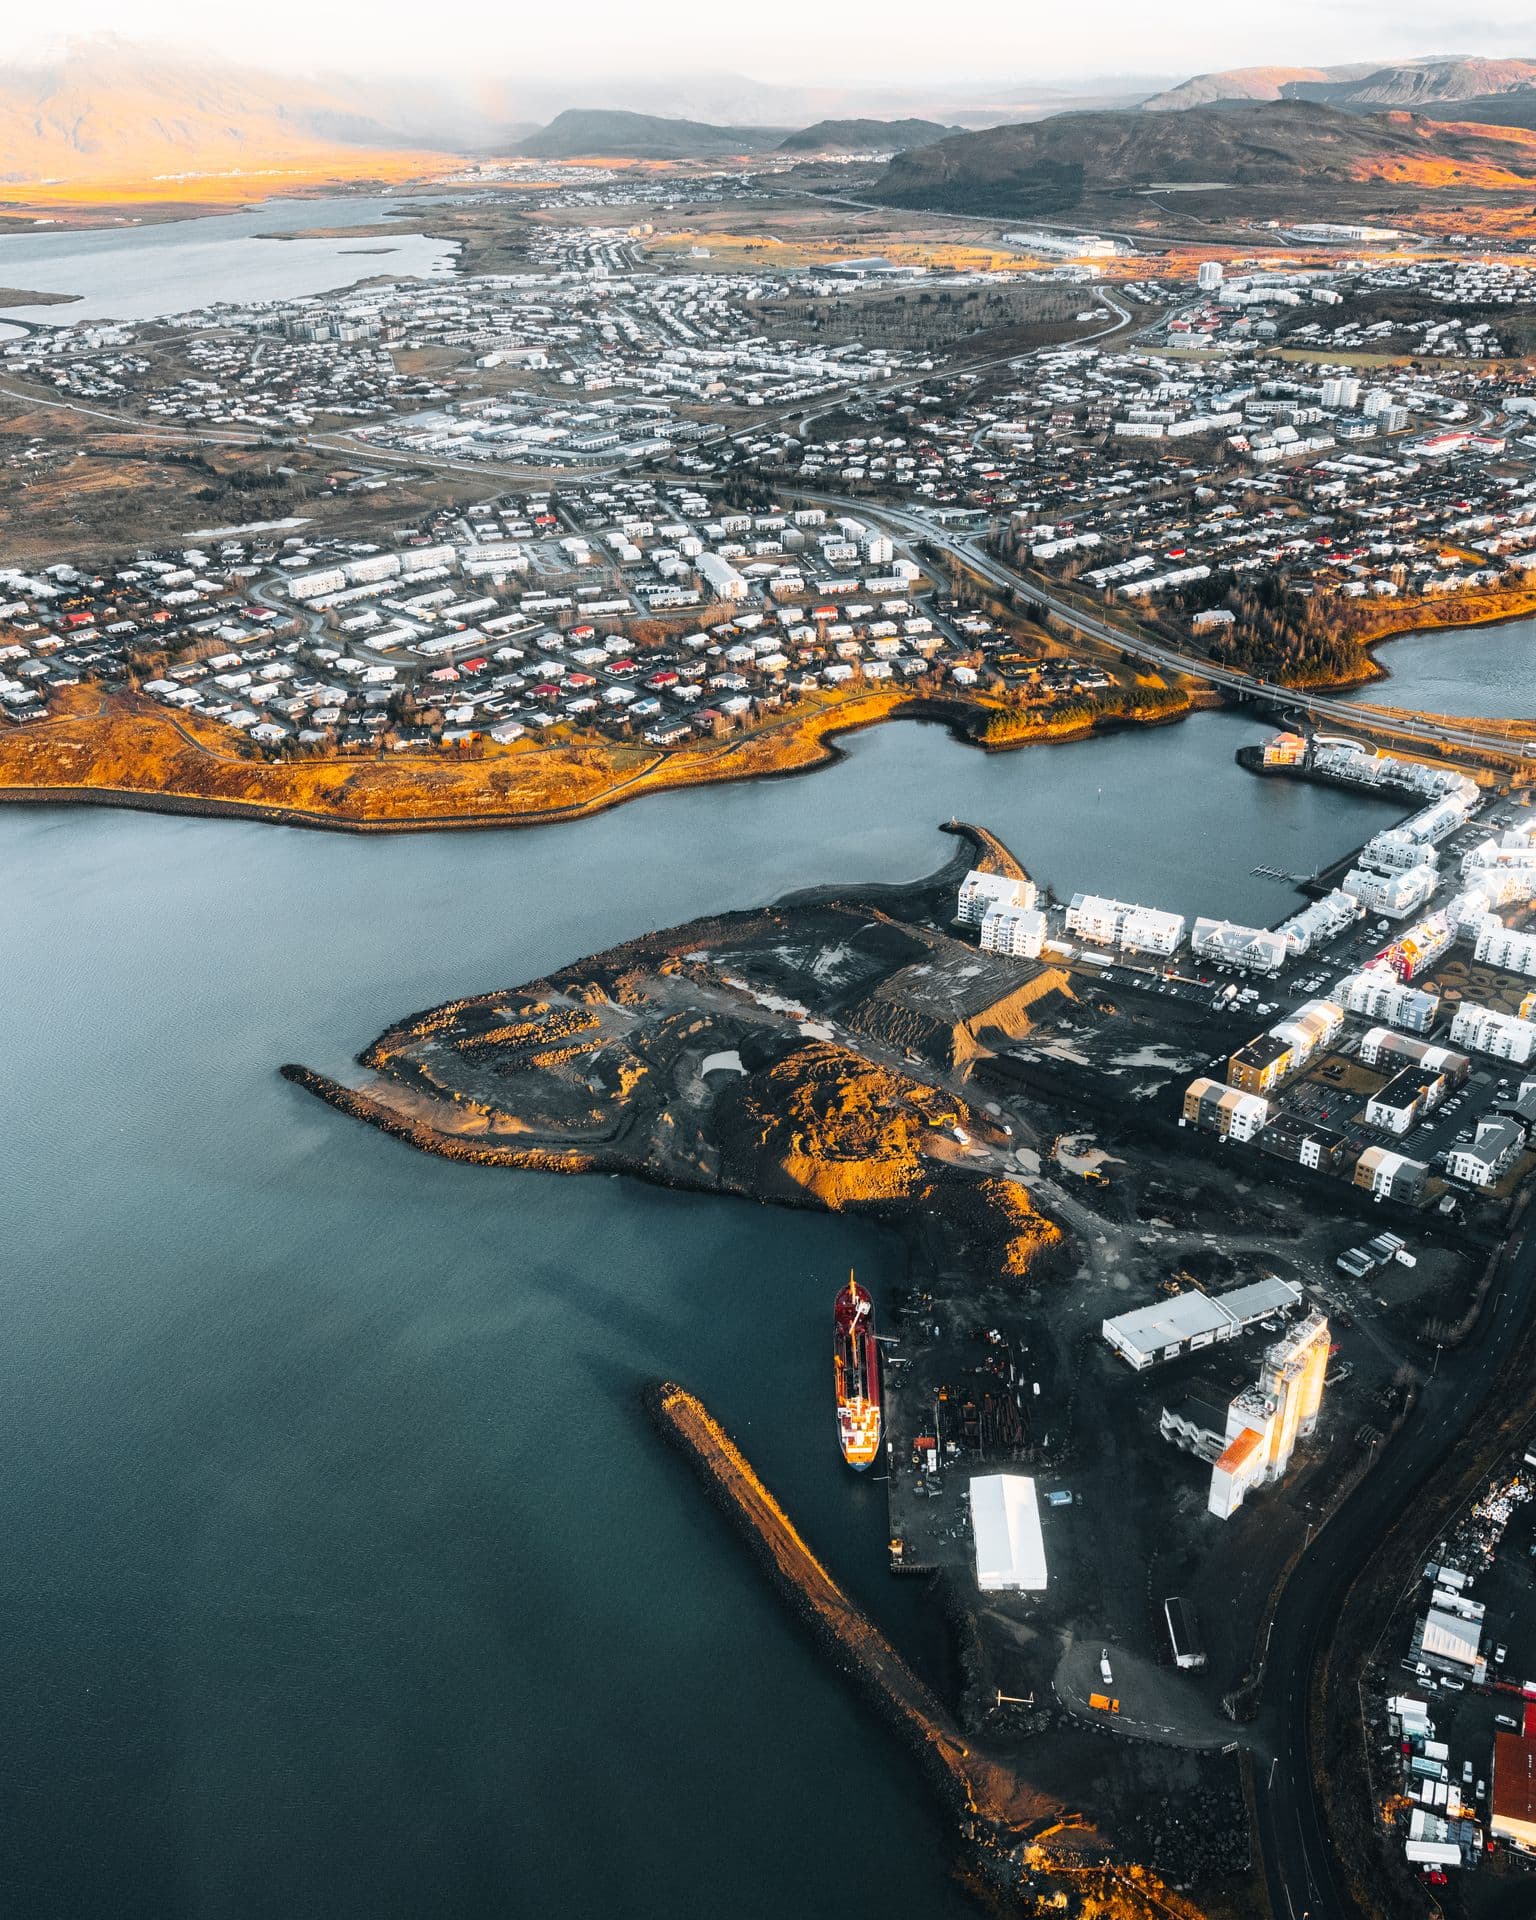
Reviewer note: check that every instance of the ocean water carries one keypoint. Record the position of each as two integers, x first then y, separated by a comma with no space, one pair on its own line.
343,1576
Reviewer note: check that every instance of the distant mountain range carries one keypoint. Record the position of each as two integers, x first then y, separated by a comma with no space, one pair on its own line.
585,131
1420,85
93,114
1248,83
1048,167
103,111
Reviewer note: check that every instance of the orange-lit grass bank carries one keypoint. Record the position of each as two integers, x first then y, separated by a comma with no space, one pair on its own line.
125,750
1475,607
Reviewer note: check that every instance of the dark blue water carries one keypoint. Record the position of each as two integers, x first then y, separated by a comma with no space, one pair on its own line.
341,1576
1476,672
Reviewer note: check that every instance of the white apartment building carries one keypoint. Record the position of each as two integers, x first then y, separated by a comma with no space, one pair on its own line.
1378,994
1109,923
1254,949
1501,946
1395,852
1502,1035
1313,1027
1146,930
1020,935
1394,894
1484,1160
1092,917
1341,392
723,580
981,892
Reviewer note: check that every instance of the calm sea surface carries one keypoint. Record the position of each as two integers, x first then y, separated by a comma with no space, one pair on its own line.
141,273
341,1576
1475,671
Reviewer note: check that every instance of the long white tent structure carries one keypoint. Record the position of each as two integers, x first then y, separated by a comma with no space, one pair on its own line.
1005,1520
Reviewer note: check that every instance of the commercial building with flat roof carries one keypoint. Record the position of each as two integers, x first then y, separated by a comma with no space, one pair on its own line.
1191,1320
1005,1522
1513,1809
1449,1638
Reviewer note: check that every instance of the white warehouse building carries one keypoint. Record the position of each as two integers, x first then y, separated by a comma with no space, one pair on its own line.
1005,1523
1145,1335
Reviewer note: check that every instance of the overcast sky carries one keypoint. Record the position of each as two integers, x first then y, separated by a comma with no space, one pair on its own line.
811,42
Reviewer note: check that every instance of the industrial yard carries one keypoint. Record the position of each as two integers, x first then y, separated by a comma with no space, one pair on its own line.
1446,1702
1139,1304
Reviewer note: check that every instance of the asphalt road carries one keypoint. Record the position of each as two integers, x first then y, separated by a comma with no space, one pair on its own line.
1298,1859
967,549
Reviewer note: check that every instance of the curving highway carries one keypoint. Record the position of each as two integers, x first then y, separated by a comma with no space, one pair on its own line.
967,550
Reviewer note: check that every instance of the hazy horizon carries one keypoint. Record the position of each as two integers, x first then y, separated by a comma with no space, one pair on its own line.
855,46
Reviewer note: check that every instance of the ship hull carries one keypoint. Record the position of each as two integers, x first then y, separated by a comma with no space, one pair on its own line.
856,1376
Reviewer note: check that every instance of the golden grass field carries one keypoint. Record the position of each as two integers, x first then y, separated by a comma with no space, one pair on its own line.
130,748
